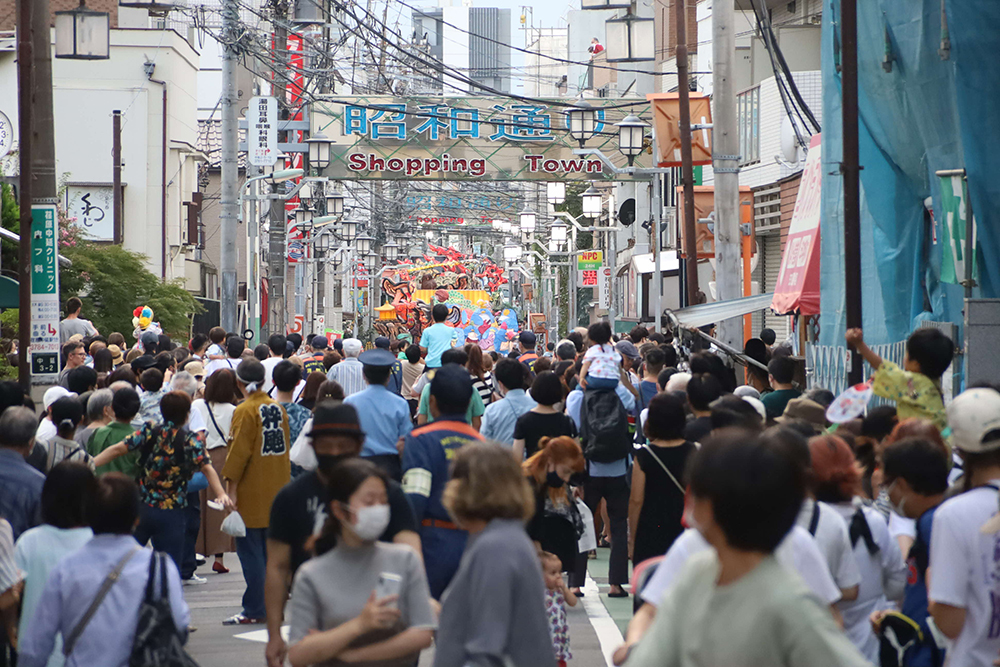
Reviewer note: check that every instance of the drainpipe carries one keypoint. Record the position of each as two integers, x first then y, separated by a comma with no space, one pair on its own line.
164,255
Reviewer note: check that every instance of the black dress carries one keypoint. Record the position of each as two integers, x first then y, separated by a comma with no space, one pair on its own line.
556,527
663,503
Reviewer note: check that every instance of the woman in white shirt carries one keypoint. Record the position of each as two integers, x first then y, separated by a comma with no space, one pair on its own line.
216,410
837,481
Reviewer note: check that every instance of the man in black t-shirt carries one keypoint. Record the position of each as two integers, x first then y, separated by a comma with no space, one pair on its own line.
300,510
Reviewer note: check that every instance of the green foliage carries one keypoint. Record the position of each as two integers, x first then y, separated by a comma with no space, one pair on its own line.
9,323
113,281
10,218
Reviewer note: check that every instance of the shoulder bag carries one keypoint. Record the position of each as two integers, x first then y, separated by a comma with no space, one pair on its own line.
109,581
665,468
158,642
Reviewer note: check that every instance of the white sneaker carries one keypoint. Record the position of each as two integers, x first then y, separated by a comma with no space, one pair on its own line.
195,580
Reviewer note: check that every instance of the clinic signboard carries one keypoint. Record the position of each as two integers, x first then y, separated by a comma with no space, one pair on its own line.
44,347
467,138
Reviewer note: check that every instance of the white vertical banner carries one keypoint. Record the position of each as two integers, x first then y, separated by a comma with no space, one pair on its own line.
604,287
262,131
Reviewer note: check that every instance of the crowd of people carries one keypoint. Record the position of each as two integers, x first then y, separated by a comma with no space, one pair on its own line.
411,495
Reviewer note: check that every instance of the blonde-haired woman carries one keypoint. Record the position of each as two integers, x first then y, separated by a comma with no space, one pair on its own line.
494,609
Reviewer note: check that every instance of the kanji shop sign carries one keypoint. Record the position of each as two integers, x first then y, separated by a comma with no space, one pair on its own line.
44,349
462,138
262,131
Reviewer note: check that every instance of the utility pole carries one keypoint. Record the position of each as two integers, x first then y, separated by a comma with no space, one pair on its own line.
116,173
229,214
851,169
657,205
725,147
687,169
276,254
37,150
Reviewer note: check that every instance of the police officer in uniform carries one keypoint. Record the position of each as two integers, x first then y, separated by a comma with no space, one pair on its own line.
427,456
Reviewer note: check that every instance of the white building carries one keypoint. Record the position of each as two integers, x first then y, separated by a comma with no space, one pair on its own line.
151,77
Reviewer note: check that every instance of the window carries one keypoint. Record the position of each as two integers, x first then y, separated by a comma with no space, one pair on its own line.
748,119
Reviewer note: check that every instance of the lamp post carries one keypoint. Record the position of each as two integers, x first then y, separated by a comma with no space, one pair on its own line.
582,121
527,219
592,204
605,4
334,204
555,192
391,251
364,244
558,231
319,151
631,136
253,253
631,39
349,230
83,34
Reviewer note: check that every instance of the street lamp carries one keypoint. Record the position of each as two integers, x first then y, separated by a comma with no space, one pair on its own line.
370,263
511,252
592,203
391,251
556,192
527,219
283,175
364,244
631,132
582,121
83,34
350,230
497,225
554,246
334,204
630,39
323,242
558,231
303,216
319,151
605,4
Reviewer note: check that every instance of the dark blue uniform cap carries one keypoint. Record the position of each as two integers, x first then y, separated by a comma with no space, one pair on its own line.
377,357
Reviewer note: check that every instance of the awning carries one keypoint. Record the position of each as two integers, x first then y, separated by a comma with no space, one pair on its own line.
797,289
717,311
645,263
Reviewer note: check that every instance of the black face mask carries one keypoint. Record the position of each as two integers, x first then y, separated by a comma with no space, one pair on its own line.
327,462
553,480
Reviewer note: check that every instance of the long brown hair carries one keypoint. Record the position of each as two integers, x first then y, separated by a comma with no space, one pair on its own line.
562,450
475,362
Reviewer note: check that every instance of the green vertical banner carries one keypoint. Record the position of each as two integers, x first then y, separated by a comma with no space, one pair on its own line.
44,344
954,212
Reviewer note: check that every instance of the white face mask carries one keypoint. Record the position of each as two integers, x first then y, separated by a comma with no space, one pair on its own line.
372,521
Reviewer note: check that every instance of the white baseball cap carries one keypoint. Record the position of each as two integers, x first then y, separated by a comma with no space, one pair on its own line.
53,394
972,416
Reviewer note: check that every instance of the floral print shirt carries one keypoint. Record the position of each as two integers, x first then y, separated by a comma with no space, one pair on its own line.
555,608
166,470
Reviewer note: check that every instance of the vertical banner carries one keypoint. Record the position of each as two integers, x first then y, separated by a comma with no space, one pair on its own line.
293,96
954,215
44,344
262,131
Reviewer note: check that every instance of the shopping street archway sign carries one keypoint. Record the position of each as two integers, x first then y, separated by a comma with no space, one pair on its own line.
467,138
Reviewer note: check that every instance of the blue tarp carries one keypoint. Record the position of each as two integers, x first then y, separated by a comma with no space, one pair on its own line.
927,114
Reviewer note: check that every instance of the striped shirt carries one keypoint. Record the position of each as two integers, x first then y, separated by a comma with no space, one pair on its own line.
9,574
60,449
484,387
349,375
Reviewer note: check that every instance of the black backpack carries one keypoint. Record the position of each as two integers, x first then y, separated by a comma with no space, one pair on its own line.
604,426
158,641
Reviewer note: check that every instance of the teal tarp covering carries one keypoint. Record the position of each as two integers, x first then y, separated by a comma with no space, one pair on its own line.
927,114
